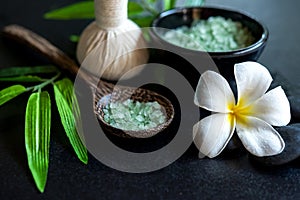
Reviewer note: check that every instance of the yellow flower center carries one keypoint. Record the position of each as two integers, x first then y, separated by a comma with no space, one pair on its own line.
239,112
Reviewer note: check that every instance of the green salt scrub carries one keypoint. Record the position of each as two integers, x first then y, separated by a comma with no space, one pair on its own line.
216,34
134,116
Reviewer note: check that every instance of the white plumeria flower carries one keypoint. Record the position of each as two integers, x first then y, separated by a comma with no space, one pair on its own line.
252,115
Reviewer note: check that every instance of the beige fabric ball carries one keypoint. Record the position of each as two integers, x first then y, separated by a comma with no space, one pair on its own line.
110,53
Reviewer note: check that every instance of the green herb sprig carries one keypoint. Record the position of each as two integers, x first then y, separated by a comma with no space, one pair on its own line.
38,110
38,114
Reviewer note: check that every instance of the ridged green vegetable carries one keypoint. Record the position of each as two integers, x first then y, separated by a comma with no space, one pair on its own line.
10,93
64,97
37,136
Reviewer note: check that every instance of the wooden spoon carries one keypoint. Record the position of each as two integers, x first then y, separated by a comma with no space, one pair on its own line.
103,92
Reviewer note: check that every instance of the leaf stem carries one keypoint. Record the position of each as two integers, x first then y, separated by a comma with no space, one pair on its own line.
39,87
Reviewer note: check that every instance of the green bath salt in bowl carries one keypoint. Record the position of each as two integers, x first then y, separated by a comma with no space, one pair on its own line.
215,34
195,39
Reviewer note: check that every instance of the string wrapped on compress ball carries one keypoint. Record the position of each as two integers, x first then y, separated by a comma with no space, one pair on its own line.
113,43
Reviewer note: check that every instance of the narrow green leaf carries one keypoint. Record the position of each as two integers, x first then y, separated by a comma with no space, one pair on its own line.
190,3
169,4
21,71
64,96
28,78
10,93
80,10
37,136
66,88
173,3
134,8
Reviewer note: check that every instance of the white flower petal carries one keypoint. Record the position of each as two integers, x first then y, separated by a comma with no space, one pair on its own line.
214,93
212,133
259,138
252,80
273,108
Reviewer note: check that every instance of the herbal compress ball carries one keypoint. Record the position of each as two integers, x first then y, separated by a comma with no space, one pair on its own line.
112,45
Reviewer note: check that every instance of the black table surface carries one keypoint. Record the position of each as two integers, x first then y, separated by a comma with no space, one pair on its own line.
188,177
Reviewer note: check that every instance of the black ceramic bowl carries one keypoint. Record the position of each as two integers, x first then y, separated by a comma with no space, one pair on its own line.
225,61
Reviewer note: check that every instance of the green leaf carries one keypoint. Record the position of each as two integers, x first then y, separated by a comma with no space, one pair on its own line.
66,87
21,71
28,78
37,136
10,93
80,10
64,97
169,4
134,8
143,21
190,3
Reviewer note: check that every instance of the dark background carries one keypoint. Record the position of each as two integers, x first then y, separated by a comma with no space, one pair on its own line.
221,178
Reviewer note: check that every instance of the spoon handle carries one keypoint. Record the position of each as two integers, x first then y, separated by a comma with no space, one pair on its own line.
55,55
